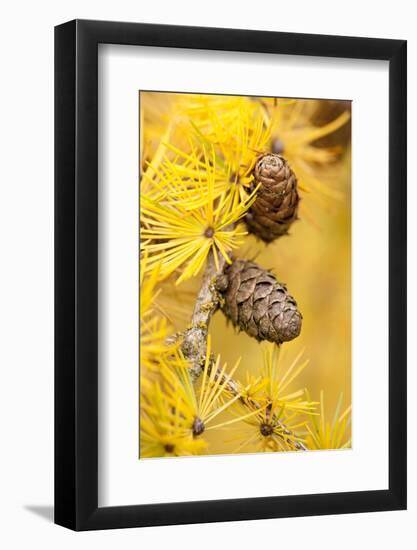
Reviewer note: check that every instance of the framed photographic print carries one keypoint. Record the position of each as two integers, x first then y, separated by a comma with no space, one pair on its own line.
230,235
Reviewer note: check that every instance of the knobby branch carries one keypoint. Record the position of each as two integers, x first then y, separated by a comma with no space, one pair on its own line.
194,339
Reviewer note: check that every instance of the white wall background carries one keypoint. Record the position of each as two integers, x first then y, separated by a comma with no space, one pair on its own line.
26,271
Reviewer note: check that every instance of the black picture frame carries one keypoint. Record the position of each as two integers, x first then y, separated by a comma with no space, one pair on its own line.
76,272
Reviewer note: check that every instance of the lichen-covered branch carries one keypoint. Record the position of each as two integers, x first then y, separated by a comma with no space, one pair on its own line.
194,338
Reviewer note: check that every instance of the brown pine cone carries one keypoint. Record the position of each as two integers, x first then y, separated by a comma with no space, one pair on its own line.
276,204
257,303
